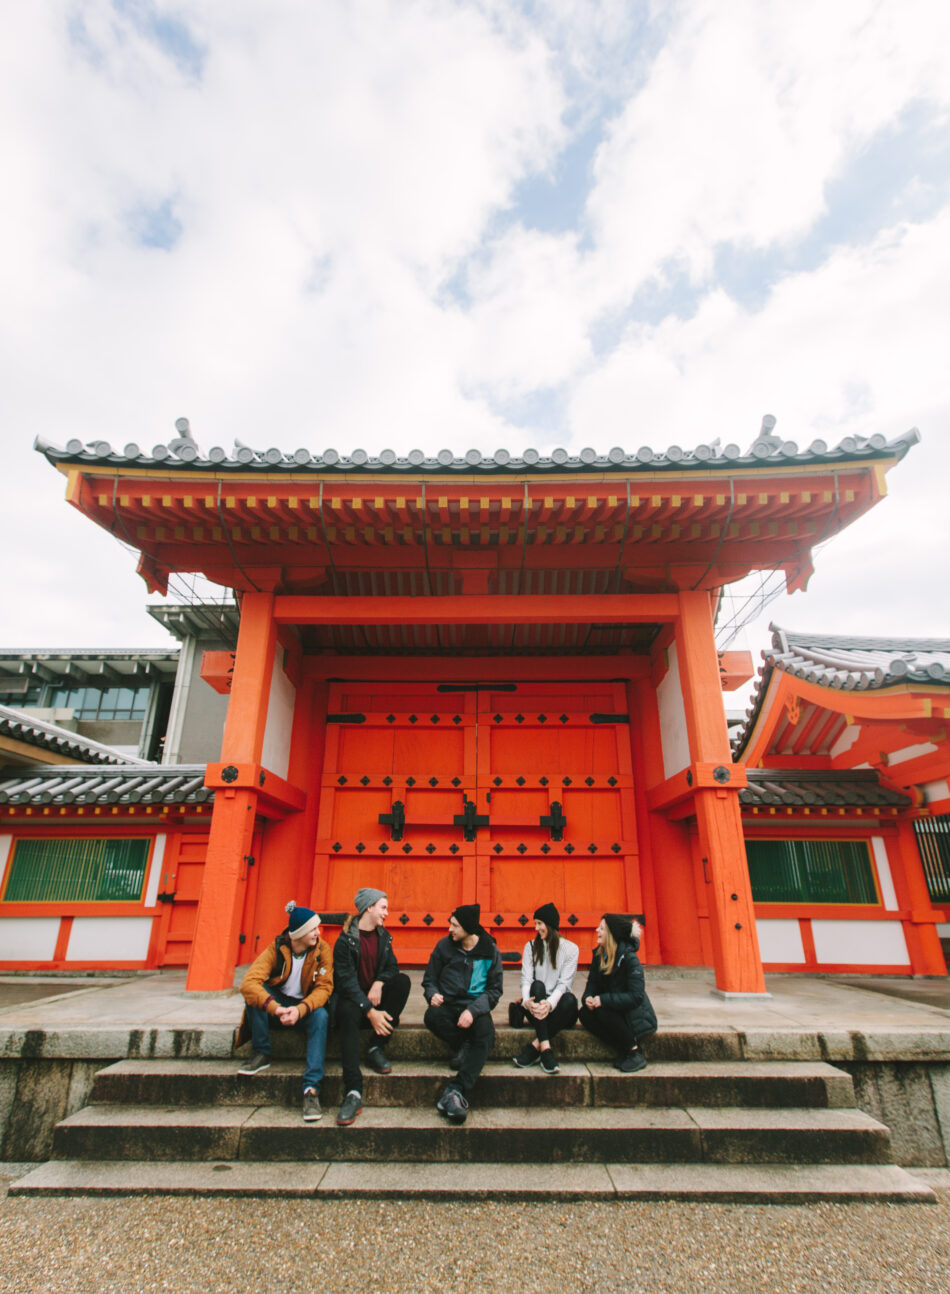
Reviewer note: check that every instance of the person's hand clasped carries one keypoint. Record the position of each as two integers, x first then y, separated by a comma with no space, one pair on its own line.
288,1015
465,1020
592,1003
542,1009
381,1021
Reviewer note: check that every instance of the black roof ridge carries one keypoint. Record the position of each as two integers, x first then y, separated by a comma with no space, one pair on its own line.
184,455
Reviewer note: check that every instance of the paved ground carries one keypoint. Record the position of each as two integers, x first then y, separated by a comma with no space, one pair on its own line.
683,999
211,1245
94,1246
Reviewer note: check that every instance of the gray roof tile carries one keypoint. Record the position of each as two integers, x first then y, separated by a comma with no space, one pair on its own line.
765,452
133,784
796,788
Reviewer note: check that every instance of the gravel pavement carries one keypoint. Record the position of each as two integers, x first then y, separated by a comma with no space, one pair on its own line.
183,1245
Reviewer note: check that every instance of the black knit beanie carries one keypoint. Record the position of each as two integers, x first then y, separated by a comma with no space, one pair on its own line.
468,915
549,914
620,927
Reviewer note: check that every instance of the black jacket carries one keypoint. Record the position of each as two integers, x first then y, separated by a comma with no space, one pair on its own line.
449,972
346,962
624,989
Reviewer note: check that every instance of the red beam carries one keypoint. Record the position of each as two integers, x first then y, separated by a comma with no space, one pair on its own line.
529,609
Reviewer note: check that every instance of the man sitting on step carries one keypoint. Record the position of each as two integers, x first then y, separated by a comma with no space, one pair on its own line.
290,984
462,984
371,993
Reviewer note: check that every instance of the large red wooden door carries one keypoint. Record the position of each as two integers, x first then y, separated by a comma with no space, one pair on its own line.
509,794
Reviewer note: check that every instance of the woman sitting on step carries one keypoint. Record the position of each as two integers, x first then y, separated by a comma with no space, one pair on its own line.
615,1005
548,967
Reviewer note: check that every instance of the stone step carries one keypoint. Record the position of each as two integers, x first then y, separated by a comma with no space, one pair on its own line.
710,1083
414,1042
531,1135
736,1183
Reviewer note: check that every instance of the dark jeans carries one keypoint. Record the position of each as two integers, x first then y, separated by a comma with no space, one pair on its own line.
350,1020
313,1025
563,1016
480,1036
610,1027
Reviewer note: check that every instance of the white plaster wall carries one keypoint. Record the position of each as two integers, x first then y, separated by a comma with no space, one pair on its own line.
6,842
861,943
30,939
275,754
780,939
936,791
885,880
107,939
846,740
158,857
912,752
674,737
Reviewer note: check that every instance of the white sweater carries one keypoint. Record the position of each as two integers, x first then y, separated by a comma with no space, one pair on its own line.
557,979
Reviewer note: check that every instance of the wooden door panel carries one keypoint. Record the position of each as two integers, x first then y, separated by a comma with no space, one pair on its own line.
406,754
183,873
555,771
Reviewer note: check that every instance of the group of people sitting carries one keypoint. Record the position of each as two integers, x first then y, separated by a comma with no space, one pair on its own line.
298,982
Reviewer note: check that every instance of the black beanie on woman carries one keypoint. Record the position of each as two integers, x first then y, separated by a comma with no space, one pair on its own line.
620,927
549,914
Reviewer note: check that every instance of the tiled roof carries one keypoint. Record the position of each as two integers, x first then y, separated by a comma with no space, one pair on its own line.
34,732
848,663
767,451
856,788
217,621
131,784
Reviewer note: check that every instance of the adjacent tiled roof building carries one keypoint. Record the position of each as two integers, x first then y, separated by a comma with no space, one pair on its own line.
24,728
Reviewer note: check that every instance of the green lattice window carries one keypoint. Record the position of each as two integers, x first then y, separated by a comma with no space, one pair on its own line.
933,842
77,871
810,871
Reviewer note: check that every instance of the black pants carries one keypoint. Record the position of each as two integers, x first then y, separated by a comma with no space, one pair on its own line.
350,1020
610,1027
563,1016
480,1036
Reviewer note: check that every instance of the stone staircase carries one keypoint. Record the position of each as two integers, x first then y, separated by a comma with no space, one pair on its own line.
699,1123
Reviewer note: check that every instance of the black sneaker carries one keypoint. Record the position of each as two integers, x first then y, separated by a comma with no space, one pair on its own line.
453,1105
549,1062
257,1063
527,1057
352,1104
312,1109
458,1060
632,1062
376,1059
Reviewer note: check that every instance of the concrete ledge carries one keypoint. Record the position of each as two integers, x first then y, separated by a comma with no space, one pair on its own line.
718,1183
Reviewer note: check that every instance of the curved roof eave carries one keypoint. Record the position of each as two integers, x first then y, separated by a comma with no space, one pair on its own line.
770,452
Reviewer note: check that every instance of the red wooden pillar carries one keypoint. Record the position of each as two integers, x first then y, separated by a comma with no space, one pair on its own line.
736,957
220,908
910,886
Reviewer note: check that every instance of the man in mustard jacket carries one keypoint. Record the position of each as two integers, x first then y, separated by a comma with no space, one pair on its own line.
290,984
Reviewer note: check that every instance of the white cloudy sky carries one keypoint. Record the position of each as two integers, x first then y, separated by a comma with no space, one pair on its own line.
395,223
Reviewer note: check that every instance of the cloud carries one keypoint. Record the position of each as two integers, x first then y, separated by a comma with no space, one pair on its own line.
432,222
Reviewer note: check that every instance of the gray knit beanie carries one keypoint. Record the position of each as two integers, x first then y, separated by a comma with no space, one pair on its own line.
366,898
